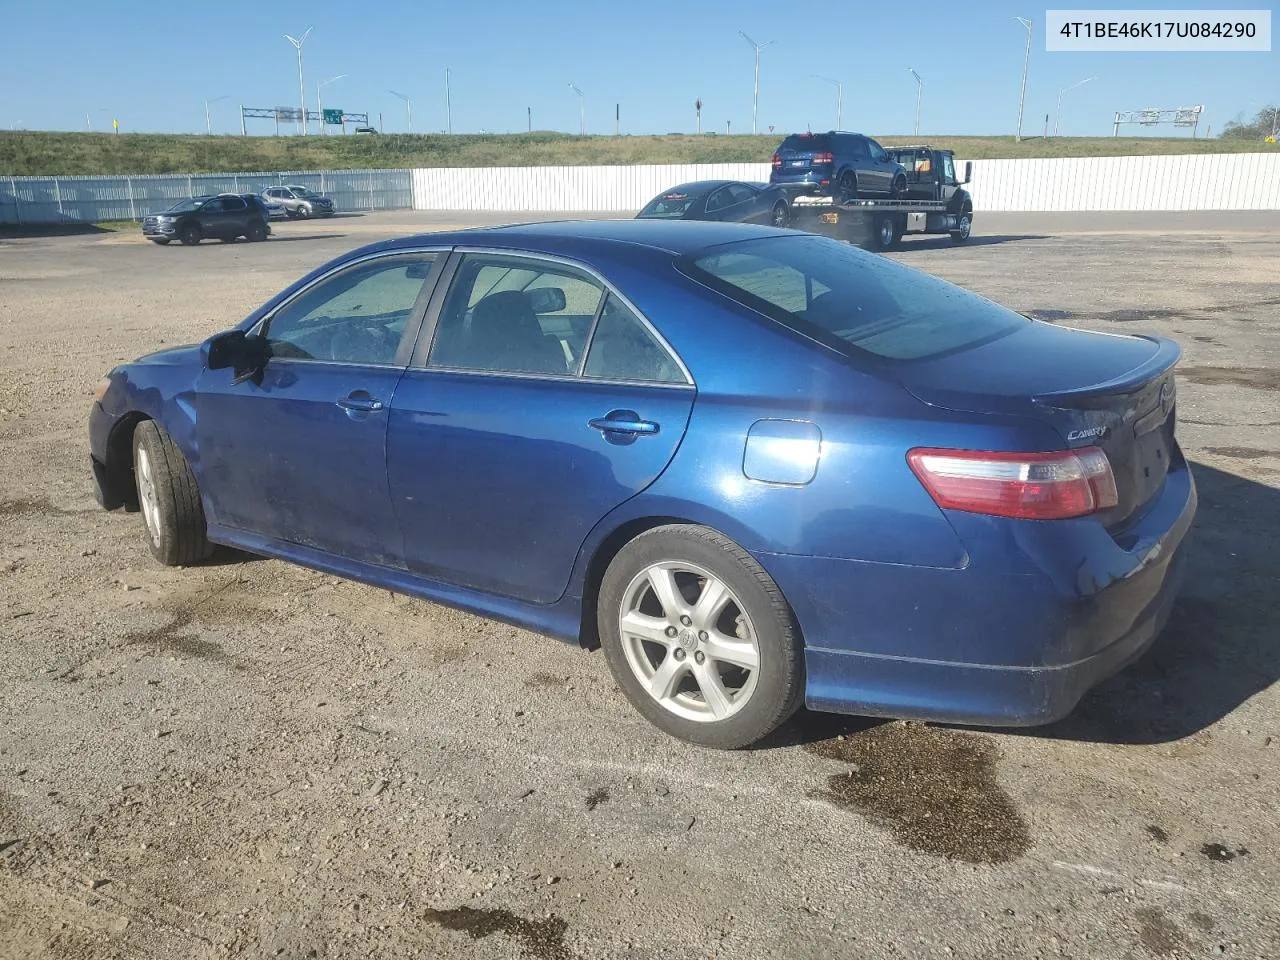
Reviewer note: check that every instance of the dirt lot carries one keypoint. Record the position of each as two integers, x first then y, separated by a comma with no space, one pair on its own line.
249,759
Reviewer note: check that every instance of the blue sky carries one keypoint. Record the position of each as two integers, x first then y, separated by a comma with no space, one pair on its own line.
153,64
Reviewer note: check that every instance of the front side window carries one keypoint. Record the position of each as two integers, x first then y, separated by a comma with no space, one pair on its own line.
622,348
516,315
851,300
949,168
718,200
877,151
356,316
212,206
740,194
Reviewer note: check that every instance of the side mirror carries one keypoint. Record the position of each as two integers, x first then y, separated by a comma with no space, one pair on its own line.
224,350
968,171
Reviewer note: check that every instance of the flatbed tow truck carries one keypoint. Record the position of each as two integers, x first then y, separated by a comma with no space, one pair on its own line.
935,202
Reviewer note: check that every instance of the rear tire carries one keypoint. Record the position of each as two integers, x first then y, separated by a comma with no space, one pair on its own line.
885,234
721,674
190,235
168,498
847,189
898,189
257,231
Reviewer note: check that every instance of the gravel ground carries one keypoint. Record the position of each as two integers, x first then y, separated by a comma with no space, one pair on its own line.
249,759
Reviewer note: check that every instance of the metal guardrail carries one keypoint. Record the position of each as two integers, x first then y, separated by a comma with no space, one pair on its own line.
53,200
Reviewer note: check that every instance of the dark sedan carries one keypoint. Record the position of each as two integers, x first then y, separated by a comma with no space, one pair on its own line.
728,201
760,468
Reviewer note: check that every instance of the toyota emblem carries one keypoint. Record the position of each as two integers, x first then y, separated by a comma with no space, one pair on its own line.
1166,396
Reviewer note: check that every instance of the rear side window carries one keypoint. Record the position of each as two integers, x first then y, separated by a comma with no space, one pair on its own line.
858,148
232,203
624,349
806,143
851,300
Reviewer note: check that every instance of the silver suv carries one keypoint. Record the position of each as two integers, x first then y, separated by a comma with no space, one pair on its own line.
298,201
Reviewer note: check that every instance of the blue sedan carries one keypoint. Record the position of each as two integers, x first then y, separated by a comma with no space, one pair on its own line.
759,468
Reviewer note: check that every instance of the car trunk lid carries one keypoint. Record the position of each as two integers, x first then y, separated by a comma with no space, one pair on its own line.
1114,392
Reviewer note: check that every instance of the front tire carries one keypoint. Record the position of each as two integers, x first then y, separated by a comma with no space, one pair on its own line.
965,228
898,189
190,235
168,498
780,216
257,231
700,638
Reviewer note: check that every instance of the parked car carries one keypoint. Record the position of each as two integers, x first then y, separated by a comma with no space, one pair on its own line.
849,166
224,217
299,202
275,209
366,129
759,467
727,200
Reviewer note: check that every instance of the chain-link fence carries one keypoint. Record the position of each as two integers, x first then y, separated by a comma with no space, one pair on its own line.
43,200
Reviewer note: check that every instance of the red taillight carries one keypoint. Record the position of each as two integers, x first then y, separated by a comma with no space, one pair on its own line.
777,160
823,158
1026,486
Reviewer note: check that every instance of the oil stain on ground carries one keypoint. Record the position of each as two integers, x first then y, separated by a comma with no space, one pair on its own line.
541,939
1158,933
596,797
1259,378
935,790
27,507
170,638
1220,854
1242,453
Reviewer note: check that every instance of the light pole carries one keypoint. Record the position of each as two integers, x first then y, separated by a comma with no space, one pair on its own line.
1057,116
755,90
302,87
448,101
1026,62
919,94
839,97
408,105
320,101
208,125
582,110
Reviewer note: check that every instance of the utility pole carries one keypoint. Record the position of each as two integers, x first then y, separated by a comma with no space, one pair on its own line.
529,112
448,101
697,109
617,119
1026,62
302,87
919,94
1057,117
582,110
408,106
839,97
755,90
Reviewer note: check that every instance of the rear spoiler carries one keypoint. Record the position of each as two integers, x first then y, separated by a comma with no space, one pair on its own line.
1167,354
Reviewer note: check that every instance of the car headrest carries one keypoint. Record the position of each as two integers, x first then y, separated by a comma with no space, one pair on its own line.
546,299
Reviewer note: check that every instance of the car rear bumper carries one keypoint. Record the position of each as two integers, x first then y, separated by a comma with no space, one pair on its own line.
964,646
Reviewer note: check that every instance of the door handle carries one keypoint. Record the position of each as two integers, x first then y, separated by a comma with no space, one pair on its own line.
624,421
362,404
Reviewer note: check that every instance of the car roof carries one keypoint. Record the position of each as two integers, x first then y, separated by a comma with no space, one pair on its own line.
696,188
676,237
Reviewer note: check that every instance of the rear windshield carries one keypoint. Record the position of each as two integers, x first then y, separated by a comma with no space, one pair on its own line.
806,143
669,206
849,298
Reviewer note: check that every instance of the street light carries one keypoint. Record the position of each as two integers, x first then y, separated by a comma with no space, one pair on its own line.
208,126
320,102
408,105
755,90
919,94
1057,116
582,110
448,101
839,97
1026,62
302,88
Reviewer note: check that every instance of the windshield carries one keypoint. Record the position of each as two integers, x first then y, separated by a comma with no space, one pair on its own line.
303,192
669,206
845,297
187,205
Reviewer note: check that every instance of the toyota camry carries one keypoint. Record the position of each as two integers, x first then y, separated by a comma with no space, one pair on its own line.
758,468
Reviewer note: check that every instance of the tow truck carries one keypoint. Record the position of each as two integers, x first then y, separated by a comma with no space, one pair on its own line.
935,201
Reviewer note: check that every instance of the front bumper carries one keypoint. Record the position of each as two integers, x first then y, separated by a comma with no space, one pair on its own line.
968,646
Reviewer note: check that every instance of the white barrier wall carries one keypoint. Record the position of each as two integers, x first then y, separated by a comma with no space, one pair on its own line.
1245,181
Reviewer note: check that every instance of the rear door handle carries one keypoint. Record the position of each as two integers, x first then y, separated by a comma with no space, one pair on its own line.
360,402
624,421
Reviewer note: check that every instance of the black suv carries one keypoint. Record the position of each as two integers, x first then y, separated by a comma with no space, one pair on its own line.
224,217
847,165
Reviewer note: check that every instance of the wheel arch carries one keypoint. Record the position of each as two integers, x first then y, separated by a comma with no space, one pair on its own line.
119,465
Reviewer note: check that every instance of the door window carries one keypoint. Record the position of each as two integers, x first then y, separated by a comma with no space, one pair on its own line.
356,316
740,194
877,152
212,206
622,348
859,149
516,315
948,168
230,204
718,200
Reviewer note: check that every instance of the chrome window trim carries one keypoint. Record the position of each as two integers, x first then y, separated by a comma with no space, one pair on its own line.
609,289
